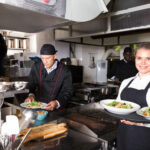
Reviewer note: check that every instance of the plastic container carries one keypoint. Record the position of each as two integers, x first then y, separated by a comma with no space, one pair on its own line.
42,114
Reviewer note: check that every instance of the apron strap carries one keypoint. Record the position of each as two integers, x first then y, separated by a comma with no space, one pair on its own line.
55,82
129,83
57,79
40,79
148,86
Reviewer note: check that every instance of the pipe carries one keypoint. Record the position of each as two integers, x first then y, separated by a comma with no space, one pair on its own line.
110,51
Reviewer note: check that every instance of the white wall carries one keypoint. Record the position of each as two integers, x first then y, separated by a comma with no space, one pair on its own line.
83,53
38,39
63,50
43,38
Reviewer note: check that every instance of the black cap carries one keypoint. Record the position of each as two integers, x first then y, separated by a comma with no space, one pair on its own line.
128,50
48,49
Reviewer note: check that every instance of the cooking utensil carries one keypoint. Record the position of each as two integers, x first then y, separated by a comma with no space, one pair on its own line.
5,140
4,86
24,138
14,106
1,103
20,85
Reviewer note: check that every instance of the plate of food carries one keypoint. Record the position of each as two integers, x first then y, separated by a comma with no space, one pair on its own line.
120,107
33,105
145,112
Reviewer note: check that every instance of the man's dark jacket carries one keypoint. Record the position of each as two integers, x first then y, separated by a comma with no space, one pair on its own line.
56,85
125,70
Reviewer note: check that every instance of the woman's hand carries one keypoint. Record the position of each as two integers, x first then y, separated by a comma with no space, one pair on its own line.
29,99
131,123
51,105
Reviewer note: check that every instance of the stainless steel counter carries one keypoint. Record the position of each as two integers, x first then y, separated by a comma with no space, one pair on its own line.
98,133
11,93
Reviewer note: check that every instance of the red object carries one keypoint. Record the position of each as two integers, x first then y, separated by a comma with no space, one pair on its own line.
13,138
46,1
123,121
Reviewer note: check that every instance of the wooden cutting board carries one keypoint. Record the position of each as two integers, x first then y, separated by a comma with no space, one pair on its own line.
44,131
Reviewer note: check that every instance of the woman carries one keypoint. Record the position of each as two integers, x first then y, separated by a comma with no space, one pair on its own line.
131,135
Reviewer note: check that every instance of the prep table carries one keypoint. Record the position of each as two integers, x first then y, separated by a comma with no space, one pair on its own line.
88,128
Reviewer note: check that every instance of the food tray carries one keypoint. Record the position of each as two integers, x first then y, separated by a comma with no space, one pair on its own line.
130,117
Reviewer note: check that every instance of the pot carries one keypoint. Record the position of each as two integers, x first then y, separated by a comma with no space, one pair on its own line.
106,90
4,86
66,61
20,85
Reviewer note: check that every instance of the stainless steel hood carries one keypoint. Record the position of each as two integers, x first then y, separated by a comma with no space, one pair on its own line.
27,16
123,17
35,15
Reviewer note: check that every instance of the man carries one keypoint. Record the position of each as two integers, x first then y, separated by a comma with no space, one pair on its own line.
49,80
3,53
125,68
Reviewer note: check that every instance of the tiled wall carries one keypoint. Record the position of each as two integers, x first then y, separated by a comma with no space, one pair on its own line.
83,53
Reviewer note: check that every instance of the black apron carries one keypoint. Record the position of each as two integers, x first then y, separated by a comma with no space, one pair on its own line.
48,84
130,137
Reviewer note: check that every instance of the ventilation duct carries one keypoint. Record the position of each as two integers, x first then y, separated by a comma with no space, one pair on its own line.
80,10
37,15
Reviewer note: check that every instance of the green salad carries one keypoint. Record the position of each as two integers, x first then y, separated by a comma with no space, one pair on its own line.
117,104
146,112
34,104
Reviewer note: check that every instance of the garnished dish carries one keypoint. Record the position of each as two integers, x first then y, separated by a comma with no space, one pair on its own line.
33,104
145,112
121,107
117,104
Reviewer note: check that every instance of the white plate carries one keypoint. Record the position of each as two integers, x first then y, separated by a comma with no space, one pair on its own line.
139,112
25,105
120,111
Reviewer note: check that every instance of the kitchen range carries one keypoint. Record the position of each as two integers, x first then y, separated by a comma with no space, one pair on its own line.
88,93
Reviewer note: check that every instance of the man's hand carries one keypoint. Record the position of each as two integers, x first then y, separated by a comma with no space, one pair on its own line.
51,105
117,80
29,99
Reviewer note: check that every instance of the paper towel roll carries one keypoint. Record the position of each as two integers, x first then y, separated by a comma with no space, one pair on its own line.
74,61
11,126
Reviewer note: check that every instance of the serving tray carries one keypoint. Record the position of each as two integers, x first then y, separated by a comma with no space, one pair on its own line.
130,117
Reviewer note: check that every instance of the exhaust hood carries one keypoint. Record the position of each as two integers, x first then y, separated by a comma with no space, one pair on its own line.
36,15
124,18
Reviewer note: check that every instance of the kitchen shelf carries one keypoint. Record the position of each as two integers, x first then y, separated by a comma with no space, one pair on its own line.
14,37
17,49
17,43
